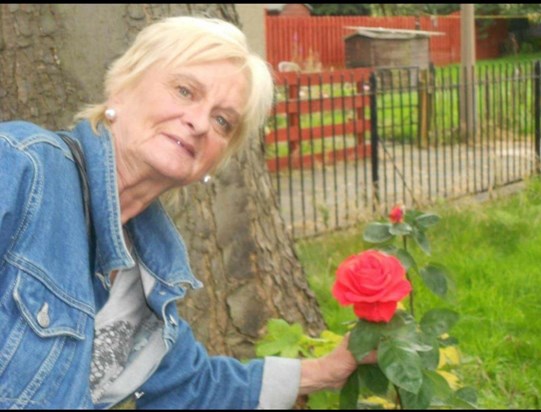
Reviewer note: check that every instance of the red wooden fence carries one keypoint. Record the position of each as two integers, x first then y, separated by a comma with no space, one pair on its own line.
300,102
309,40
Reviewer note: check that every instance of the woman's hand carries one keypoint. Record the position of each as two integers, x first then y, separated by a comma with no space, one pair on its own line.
330,371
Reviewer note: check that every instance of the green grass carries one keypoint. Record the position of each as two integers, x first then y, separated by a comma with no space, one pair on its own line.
312,147
493,251
504,102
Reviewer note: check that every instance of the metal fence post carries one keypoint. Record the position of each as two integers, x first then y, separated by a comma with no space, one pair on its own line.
537,114
374,138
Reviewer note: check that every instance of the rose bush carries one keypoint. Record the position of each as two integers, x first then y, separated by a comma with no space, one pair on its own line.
407,371
416,359
373,282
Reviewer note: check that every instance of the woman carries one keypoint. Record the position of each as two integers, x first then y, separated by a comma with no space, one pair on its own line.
91,265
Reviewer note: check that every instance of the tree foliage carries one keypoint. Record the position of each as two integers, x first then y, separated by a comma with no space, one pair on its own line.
335,9
532,11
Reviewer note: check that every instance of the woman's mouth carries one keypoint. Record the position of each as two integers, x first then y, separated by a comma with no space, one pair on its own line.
181,143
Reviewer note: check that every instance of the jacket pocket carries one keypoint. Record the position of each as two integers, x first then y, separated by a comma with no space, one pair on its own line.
45,347
47,313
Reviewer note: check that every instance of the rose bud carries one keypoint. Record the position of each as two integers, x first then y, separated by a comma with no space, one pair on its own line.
397,214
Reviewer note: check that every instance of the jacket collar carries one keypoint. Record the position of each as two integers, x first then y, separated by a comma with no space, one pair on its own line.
156,241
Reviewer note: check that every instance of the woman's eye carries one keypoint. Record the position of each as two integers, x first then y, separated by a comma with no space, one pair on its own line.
223,123
184,91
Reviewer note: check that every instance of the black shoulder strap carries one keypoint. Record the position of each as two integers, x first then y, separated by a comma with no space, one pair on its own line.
79,158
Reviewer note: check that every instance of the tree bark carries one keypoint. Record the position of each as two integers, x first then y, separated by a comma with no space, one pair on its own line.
52,61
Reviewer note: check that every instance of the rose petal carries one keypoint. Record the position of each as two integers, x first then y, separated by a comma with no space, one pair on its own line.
375,312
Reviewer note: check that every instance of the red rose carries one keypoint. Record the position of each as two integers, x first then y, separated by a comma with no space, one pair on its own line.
397,214
373,282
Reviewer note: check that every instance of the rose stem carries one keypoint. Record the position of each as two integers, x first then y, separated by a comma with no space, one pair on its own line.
405,240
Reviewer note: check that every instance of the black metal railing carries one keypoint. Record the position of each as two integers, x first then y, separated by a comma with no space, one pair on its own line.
348,146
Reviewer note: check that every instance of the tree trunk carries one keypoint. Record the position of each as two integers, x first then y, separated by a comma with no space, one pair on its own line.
52,61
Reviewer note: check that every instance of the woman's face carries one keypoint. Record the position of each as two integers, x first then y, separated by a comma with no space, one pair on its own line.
176,123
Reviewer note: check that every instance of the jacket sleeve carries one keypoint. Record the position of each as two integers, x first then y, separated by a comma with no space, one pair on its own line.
188,378
16,176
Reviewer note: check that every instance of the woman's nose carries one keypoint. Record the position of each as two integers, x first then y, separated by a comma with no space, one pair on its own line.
197,120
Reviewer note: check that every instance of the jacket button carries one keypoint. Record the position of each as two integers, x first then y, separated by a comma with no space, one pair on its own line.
43,316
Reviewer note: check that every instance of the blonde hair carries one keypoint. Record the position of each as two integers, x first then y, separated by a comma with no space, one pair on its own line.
191,40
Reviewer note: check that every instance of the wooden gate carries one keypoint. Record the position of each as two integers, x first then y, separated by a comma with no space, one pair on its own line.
326,108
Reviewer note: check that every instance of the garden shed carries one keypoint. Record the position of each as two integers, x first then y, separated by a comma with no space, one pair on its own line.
387,48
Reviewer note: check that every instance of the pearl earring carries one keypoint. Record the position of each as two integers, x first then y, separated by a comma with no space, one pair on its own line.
110,114
207,179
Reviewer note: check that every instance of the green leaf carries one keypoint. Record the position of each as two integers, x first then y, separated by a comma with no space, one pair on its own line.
441,387
401,326
412,215
371,377
400,229
349,394
435,278
281,339
419,400
464,398
430,357
400,364
323,400
427,219
422,241
389,249
436,322
376,232
467,394
404,328
413,341
406,259
364,338
448,341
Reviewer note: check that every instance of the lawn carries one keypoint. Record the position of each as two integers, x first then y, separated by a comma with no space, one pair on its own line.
493,251
504,102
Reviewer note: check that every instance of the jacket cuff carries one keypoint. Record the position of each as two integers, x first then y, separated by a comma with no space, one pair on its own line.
280,385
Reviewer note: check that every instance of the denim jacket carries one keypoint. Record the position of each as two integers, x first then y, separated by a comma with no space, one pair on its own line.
54,279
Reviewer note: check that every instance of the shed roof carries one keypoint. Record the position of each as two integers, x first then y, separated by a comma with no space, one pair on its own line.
383,33
280,7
